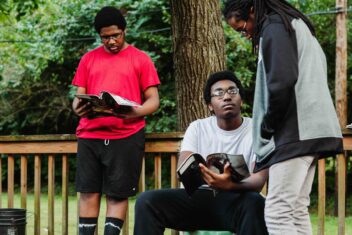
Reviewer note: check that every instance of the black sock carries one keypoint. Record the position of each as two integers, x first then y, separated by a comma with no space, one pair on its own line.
87,226
113,226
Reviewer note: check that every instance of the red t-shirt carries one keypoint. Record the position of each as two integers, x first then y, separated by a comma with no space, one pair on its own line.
128,74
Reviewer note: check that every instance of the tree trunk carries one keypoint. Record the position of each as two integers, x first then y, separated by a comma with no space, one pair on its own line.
199,49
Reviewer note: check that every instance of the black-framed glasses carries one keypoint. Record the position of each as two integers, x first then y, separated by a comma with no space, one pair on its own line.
113,37
232,91
243,30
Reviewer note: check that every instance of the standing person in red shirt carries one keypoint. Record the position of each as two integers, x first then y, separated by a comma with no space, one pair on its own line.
111,148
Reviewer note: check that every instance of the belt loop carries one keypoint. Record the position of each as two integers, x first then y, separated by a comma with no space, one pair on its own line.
106,142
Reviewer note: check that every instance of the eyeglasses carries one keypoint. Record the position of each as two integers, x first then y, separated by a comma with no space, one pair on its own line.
243,31
221,93
113,37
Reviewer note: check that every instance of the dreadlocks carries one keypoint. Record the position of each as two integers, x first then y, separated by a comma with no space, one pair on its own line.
240,10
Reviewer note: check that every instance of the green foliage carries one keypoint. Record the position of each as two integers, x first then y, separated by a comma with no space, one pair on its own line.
166,124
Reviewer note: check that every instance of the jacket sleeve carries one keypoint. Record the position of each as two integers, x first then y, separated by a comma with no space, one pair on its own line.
281,67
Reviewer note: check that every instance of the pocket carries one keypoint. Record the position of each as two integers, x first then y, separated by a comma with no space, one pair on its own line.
308,159
265,148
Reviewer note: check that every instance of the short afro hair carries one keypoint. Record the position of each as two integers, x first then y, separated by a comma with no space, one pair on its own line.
219,76
108,16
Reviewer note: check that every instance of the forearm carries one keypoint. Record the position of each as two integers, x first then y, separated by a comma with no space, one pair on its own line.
183,156
255,182
148,107
75,103
150,104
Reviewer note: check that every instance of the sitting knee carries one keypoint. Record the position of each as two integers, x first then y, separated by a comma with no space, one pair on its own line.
145,199
254,200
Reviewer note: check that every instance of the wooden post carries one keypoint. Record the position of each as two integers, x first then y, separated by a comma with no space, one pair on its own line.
51,193
10,180
142,177
65,172
24,181
341,102
321,196
157,171
341,164
174,181
37,190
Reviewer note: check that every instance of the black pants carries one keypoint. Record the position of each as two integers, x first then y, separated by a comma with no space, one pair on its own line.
242,213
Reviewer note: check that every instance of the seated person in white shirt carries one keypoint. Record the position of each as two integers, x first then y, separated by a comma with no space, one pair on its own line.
236,207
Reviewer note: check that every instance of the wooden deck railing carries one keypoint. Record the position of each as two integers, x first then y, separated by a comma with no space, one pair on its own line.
158,146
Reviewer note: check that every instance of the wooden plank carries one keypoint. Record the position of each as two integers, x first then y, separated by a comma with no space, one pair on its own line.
341,164
51,193
10,180
141,187
164,135
37,189
24,170
174,181
65,174
347,142
162,146
38,147
321,196
71,147
157,172
36,138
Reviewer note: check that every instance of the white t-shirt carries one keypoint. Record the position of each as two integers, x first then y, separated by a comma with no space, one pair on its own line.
205,137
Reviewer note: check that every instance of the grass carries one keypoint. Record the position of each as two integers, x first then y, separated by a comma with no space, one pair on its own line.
331,223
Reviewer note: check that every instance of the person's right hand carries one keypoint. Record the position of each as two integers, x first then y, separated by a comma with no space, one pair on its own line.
217,181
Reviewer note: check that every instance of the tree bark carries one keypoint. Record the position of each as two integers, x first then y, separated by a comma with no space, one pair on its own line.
199,49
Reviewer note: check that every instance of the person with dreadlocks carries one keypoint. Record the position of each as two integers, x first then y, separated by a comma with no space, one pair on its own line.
111,148
294,120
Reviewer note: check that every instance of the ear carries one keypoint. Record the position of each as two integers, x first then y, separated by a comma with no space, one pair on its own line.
210,107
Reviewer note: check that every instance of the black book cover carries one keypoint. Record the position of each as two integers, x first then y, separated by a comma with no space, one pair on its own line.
191,177
190,174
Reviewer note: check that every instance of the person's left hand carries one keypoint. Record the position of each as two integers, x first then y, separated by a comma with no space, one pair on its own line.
217,181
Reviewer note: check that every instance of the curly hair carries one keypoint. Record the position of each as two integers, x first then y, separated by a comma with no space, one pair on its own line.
108,16
219,76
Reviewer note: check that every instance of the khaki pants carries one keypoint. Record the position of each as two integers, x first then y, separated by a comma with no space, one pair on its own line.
286,205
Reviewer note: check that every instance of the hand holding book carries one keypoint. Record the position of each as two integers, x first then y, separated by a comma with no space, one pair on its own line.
191,176
107,104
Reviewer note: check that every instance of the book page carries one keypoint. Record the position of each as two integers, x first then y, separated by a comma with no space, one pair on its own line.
119,100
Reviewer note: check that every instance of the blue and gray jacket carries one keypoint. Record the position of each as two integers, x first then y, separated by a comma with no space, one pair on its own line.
293,113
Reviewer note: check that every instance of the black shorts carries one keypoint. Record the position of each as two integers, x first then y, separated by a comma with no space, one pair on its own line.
111,167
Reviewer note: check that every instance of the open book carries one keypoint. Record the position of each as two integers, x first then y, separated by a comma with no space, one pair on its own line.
190,175
105,101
